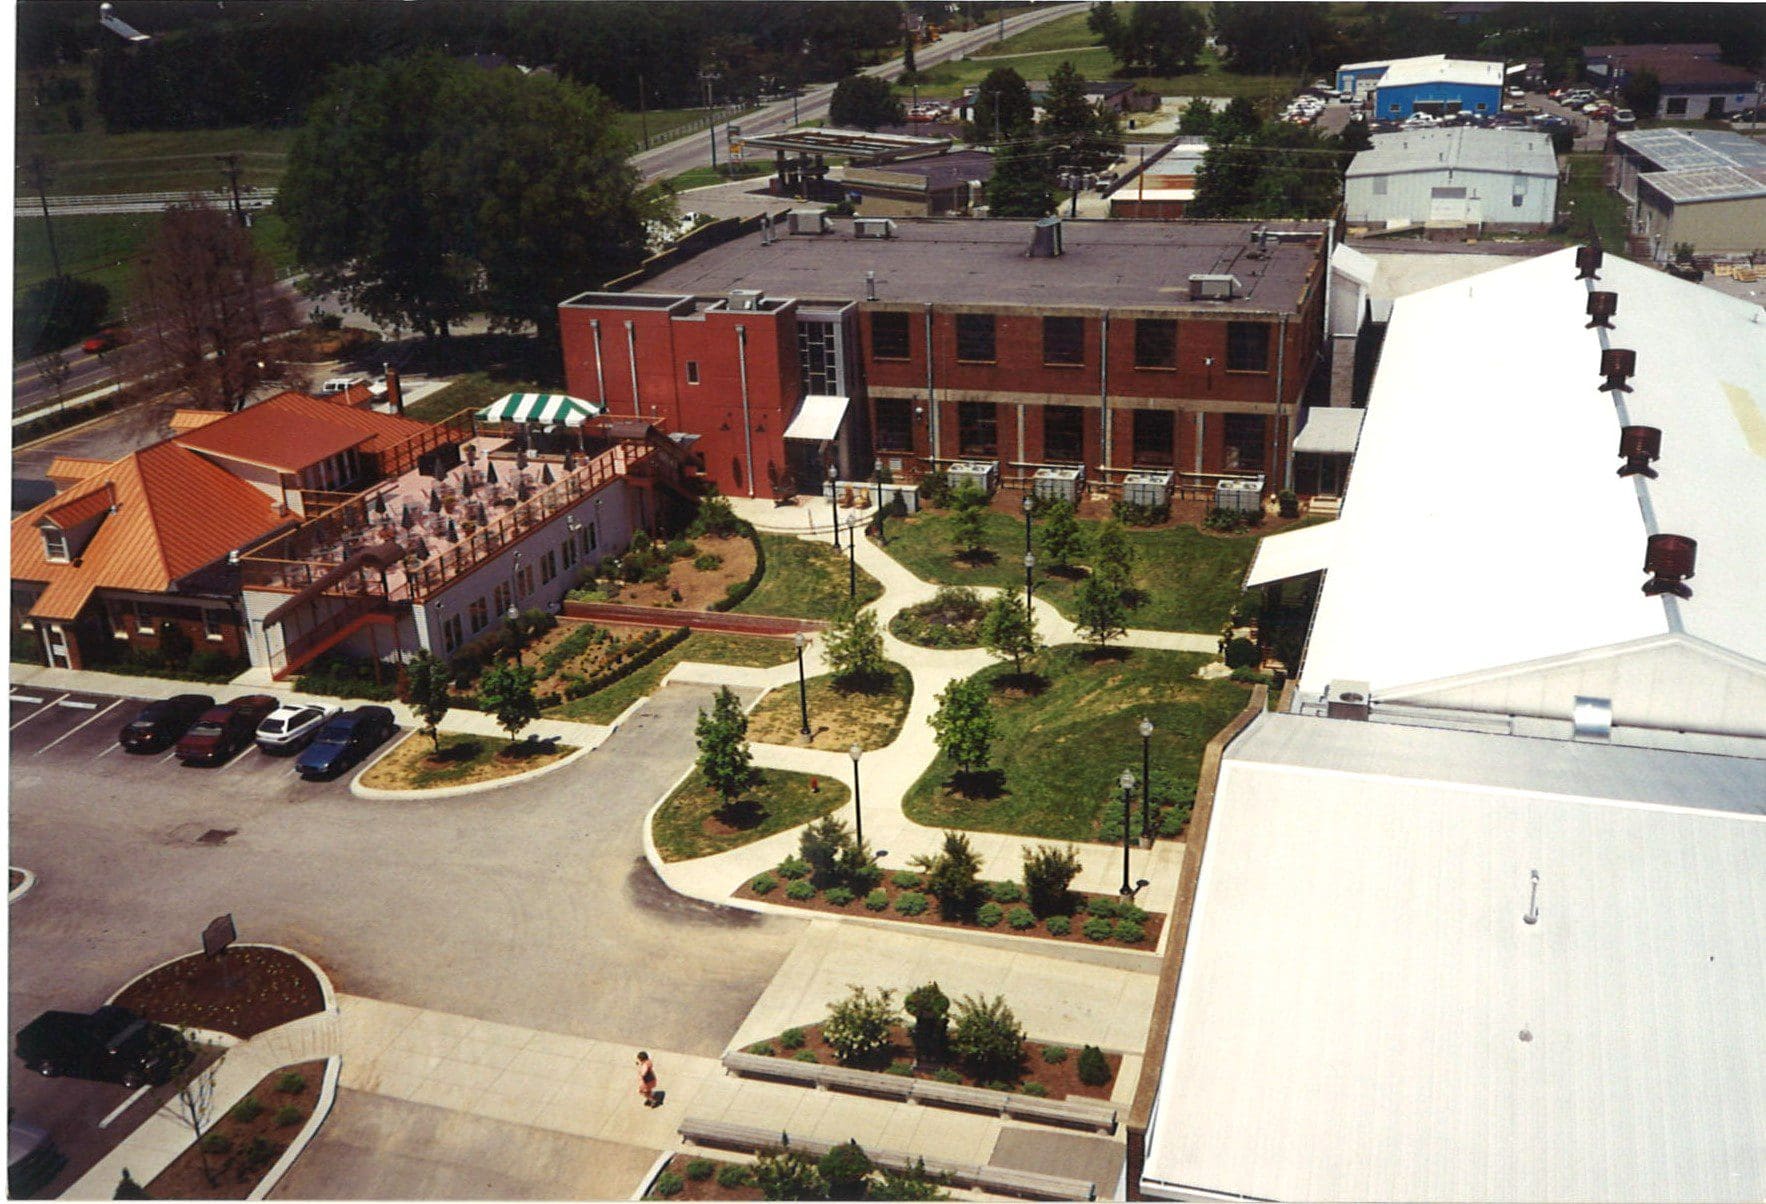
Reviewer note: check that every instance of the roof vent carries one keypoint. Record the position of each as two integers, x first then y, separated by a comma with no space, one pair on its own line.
808,221
766,230
1045,238
1669,562
872,227
1591,718
1601,308
1588,262
1347,700
745,299
870,286
1639,445
1208,287
1618,365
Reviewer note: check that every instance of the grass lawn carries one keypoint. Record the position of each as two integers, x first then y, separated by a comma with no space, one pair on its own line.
1062,749
93,162
1060,34
700,177
472,391
604,706
947,80
694,822
657,121
1585,196
805,580
1190,578
412,764
838,718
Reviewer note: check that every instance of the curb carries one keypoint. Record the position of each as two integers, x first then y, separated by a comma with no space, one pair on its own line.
321,1112
326,992
619,719
18,892
440,792
653,1174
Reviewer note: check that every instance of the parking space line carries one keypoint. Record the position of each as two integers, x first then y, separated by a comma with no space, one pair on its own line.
108,750
30,698
31,716
86,723
79,704
169,755
124,1106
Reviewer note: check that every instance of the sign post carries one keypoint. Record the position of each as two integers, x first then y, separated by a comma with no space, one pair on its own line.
219,934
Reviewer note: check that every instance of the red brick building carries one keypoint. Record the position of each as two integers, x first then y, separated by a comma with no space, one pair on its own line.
1167,345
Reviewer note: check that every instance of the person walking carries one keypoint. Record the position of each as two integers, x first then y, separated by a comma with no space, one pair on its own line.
647,1079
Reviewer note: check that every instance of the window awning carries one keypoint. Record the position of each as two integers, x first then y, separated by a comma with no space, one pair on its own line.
818,418
1292,554
1331,430
541,408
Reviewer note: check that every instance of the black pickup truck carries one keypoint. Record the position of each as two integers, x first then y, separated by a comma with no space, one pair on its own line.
112,1045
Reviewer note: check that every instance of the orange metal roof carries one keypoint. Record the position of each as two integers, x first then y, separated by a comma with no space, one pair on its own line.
77,510
68,470
190,420
292,431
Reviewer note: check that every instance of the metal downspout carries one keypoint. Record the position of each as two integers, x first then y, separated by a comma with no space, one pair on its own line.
747,427
1107,422
931,400
1281,405
600,380
631,351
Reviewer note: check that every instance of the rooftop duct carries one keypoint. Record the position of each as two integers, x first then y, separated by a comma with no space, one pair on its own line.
1205,286
1347,700
1588,262
1639,445
1601,308
1617,365
1045,238
872,227
870,286
808,221
1669,560
1591,718
745,299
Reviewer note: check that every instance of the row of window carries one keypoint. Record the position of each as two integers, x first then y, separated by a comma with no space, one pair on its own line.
480,611
1063,341
1153,438
138,618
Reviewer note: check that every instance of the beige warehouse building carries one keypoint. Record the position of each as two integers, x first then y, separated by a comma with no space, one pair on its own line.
1716,210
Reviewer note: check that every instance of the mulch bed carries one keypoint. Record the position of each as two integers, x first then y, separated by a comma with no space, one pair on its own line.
1155,923
707,1188
244,992
253,1146
1059,1079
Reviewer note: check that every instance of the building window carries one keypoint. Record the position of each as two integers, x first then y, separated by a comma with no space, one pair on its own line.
524,580
55,544
1154,431
568,547
500,599
895,423
977,428
692,372
1675,106
889,336
451,637
479,615
548,567
143,619
121,615
1380,183
1247,347
1063,434
818,355
1155,343
588,538
1063,340
211,624
975,338
1244,442
1481,106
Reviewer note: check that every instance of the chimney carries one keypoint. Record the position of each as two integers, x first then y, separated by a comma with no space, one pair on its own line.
1588,262
1601,308
394,393
1669,560
1618,365
1639,445
1045,238
870,286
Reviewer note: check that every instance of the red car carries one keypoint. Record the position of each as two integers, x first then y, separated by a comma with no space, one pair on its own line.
106,339
224,730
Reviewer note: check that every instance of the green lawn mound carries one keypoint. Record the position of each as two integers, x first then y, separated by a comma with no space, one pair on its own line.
1065,738
696,822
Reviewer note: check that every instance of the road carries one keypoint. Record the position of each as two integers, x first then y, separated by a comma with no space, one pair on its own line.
137,202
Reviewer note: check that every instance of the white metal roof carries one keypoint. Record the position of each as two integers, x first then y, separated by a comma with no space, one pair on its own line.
1706,184
1306,550
1457,148
1486,526
1438,68
1358,975
1673,149
818,419
1332,430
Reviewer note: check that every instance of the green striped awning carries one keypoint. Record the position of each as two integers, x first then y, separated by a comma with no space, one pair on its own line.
540,407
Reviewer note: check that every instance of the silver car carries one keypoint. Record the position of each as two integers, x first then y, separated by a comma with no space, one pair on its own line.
291,725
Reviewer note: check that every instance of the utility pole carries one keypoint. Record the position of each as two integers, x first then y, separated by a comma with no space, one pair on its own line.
231,169
38,167
643,114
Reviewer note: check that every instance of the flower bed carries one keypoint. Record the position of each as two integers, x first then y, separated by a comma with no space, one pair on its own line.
240,1147
725,1180
950,619
245,991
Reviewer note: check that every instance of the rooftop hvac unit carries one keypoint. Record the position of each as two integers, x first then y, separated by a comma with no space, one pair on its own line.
872,227
808,221
1205,286
1347,700
1245,496
1045,238
1147,489
745,299
1058,484
974,474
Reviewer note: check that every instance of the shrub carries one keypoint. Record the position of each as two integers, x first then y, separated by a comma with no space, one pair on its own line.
288,1115
1048,877
930,1008
715,518
805,1055
999,1085
952,876
216,1143
845,1167
733,1174
1172,822
1097,928
246,1110
291,1084
1130,933
793,867
945,1074
877,900
1232,521
1005,892
1104,907
257,1155
989,915
764,884
1094,1069
1020,918
1054,1055
1058,925
793,1038
788,1175
1128,911
859,1024
668,1184
699,1169
987,1035
1242,653
839,896
903,1070
1133,515
762,1048
905,879
680,549
821,845
800,890
1036,1089
910,903
707,562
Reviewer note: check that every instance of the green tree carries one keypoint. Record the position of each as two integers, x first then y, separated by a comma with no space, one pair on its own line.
1002,106
1103,615
55,312
859,1025
1238,119
506,692
864,102
964,723
1071,119
1008,630
724,758
824,846
1023,180
1160,38
788,1175
847,1170
913,1183
1049,872
1268,38
1197,117
1062,539
1642,91
429,678
930,1008
1115,554
1105,21
1355,138
968,526
953,874
853,647
988,1037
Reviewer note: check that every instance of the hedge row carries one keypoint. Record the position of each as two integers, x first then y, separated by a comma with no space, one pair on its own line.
739,593
601,681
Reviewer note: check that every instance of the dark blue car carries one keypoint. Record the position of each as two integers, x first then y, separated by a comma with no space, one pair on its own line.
345,740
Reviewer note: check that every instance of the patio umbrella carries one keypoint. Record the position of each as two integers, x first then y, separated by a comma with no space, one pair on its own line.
453,532
435,501
541,408
546,477
380,504
471,453
466,485
569,461
407,519
490,472
521,457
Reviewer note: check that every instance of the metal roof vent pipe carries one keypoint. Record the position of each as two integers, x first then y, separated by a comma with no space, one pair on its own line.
1639,445
1617,365
870,286
766,230
1045,238
1669,562
1601,308
1588,262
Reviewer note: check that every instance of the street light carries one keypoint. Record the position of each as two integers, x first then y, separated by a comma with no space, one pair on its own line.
1127,783
1029,505
878,471
514,632
834,504
858,812
1029,567
851,562
802,687
1146,779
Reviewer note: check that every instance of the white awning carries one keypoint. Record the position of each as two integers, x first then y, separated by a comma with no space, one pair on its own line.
1331,430
818,418
540,408
1293,554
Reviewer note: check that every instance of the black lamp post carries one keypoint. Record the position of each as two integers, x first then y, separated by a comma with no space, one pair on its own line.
878,471
1127,783
1146,779
1029,568
834,503
1029,505
512,615
858,811
802,687
851,563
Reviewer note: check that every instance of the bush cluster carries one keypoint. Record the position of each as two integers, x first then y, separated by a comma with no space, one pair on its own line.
1020,918
1058,925
668,1185
699,1169
765,884
910,903
988,915
1232,521
1133,515
877,900
800,890
950,619
734,1174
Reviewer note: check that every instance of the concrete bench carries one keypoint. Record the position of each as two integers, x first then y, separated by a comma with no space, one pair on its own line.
955,1095
764,1067
868,1082
728,1136
1033,1184
1080,1113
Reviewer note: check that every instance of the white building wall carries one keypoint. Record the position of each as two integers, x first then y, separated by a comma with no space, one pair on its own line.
1407,196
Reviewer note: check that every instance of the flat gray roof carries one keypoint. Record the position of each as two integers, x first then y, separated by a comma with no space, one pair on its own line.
969,261
1694,150
1707,184
1458,148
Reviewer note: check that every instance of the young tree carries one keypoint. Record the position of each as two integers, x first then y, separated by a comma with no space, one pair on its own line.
1062,539
1642,91
930,1008
1197,117
429,678
847,1170
1115,554
968,527
1002,106
823,846
1071,119
853,647
506,692
1048,875
988,1036
724,757
953,874
859,1024
864,102
964,723
1023,180
912,1183
1238,120
1103,615
194,1106
1008,630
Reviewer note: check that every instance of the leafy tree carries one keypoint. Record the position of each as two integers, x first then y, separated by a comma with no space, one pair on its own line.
1048,877
1237,120
1115,554
953,874
988,1037
1008,630
1073,120
913,1183
428,678
1002,106
1159,38
964,723
506,692
724,757
1276,170
908,68
55,312
1355,138
1103,614
824,845
1094,1068
1642,91
968,520
1197,117
1062,539
1266,38
853,647
788,1175
858,1025
1023,180
930,1008
1105,21
864,102
847,1170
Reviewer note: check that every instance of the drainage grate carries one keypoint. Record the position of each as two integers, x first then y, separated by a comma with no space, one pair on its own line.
217,835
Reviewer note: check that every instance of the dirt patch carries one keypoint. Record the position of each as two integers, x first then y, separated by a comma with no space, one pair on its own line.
243,992
690,588
414,764
240,1151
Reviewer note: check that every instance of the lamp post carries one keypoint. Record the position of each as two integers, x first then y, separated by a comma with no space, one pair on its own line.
514,632
802,687
858,811
878,472
1127,783
1029,505
1029,568
852,562
1146,779
834,503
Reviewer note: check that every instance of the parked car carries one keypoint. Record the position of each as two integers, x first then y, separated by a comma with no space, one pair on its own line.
1417,121
106,339
291,725
160,723
31,1159
224,730
112,1045
345,740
